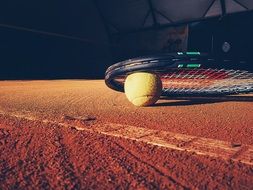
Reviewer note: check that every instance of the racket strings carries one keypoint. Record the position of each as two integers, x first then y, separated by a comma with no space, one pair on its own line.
211,81
199,81
185,80
237,82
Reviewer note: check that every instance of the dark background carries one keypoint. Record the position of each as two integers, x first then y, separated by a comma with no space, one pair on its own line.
25,55
33,55
235,29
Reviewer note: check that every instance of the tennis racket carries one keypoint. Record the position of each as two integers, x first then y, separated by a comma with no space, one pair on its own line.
183,73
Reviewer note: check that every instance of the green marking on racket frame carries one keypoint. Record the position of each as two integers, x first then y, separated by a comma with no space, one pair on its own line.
193,65
193,53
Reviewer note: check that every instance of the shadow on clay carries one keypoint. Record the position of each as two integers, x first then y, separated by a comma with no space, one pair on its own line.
188,101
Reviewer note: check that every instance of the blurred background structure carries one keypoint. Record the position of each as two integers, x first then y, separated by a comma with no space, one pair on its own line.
80,39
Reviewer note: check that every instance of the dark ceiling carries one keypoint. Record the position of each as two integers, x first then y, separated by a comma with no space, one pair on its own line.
72,39
134,15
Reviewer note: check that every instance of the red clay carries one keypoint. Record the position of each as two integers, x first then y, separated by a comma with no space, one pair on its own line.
47,156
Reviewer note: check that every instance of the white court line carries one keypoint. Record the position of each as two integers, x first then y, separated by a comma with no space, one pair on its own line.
198,145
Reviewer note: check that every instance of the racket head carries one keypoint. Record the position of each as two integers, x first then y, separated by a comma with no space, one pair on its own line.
187,74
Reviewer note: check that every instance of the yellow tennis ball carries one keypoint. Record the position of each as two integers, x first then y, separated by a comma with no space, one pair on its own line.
143,89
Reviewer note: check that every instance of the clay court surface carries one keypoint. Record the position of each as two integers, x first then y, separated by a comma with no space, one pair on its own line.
79,134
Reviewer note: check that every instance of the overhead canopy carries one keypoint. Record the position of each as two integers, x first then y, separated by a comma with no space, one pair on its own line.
87,18
64,38
133,15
